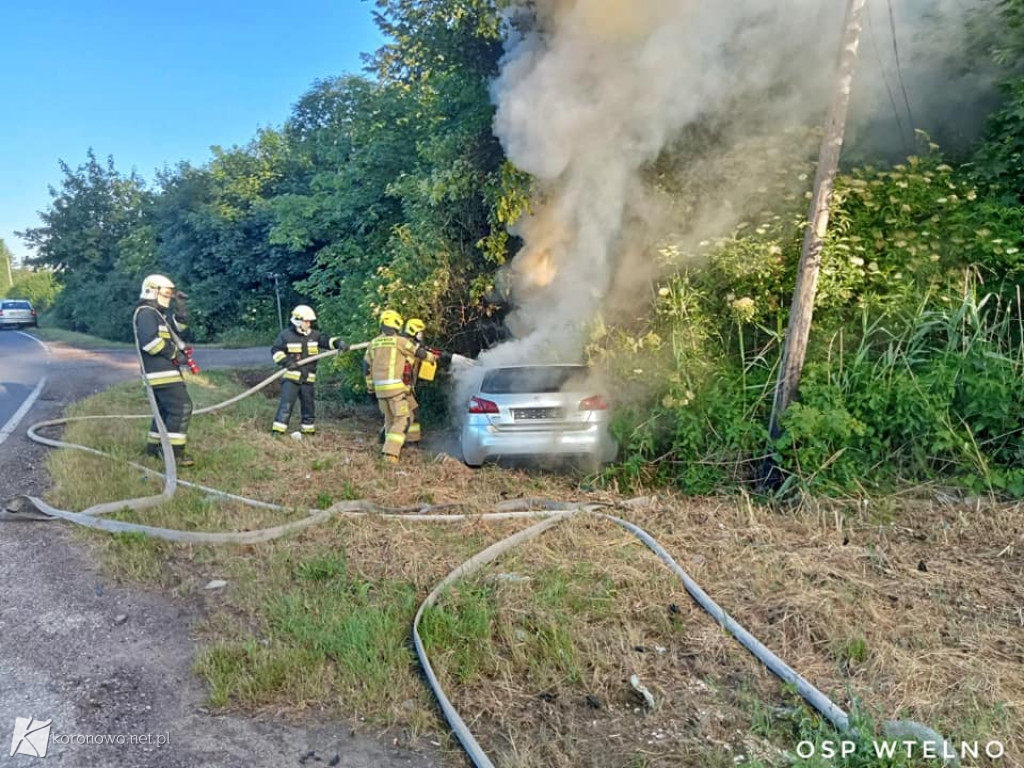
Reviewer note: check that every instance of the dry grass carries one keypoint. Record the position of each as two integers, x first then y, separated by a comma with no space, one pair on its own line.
914,609
860,620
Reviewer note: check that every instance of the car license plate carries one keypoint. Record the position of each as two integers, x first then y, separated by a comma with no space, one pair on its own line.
527,414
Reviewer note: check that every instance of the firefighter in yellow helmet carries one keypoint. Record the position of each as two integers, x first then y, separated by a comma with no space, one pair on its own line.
417,370
383,365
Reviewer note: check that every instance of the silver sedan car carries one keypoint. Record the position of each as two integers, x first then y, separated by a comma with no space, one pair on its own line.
17,313
537,412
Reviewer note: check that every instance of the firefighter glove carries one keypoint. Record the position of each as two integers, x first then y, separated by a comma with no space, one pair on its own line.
446,358
339,345
180,308
292,364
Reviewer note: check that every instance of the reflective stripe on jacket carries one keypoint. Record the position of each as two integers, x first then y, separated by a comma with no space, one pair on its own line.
385,360
158,330
290,344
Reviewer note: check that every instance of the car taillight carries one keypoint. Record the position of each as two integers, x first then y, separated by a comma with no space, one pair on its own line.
479,405
595,403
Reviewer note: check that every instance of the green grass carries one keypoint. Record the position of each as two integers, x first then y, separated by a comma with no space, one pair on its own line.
458,633
51,333
257,675
240,338
801,726
140,558
75,339
345,638
854,650
322,618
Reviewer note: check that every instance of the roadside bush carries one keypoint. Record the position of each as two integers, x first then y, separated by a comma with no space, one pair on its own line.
101,309
38,287
915,359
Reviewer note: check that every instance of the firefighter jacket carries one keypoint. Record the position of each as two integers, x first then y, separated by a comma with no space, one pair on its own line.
290,345
420,369
384,363
159,332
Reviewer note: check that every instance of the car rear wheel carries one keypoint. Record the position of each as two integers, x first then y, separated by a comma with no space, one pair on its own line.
466,461
589,464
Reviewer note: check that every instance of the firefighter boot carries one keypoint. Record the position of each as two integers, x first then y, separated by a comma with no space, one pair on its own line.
182,458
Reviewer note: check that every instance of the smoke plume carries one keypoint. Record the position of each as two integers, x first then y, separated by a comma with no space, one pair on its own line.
592,93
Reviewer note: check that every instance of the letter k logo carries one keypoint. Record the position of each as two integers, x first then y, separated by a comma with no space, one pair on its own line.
31,737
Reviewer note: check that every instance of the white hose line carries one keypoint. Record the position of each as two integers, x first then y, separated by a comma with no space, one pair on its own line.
815,698
32,508
475,563
26,508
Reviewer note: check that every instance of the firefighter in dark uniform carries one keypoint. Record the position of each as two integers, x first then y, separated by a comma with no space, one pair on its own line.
158,330
294,344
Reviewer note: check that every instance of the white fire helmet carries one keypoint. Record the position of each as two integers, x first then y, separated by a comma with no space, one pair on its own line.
302,314
157,288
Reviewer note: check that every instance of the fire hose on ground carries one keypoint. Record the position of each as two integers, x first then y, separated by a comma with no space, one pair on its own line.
30,508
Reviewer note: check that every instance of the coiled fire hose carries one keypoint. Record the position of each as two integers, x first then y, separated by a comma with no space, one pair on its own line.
25,508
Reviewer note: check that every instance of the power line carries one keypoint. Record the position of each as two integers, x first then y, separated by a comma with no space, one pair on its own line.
885,79
899,68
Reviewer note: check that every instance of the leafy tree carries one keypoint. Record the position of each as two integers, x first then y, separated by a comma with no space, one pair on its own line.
6,268
212,235
397,188
97,238
38,286
444,54
349,139
1000,158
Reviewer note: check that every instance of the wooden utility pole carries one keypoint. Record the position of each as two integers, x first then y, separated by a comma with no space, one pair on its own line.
802,308
8,257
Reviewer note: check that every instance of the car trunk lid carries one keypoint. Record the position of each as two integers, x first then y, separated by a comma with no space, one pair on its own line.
529,399
15,311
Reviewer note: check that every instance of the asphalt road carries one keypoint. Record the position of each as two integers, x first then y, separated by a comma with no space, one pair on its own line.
23,363
100,659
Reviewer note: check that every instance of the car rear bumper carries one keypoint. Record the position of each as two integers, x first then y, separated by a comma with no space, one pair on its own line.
17,322
481,442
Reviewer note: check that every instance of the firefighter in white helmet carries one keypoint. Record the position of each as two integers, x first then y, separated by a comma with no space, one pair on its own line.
297,342
158,329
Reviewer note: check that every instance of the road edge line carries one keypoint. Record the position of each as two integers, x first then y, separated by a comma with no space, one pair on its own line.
12,423
37,341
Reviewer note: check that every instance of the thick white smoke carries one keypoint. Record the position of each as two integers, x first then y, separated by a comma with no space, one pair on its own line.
591,92
589,95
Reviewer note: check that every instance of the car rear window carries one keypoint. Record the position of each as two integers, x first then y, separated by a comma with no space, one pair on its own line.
545,378
16,305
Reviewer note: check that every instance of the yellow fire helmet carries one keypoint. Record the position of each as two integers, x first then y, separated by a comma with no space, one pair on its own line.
391,319
414,326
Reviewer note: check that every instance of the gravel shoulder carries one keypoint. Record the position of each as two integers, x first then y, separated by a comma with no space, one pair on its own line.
98,658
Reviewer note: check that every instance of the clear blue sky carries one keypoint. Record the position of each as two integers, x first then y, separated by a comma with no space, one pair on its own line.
154,82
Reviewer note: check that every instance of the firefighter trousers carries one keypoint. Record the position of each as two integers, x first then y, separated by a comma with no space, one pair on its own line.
396,412
175,408
413,433
305,393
